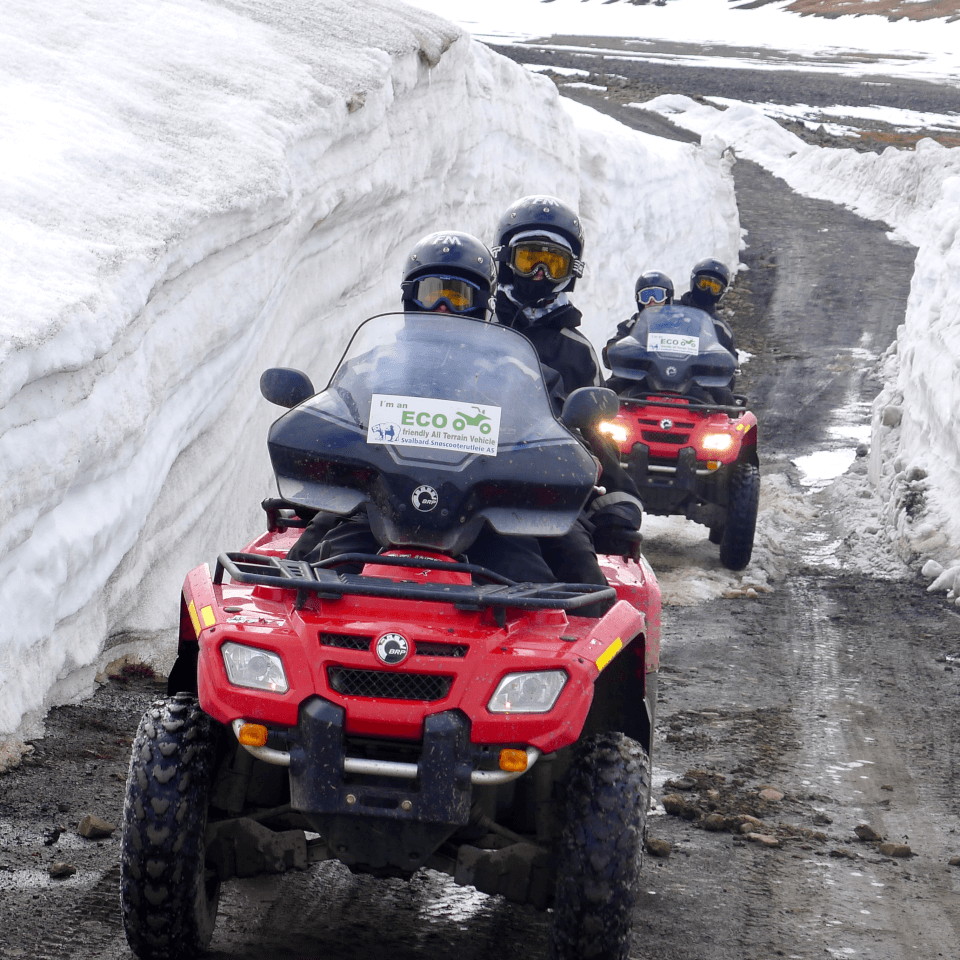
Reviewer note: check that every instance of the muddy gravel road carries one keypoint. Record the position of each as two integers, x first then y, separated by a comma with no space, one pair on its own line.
807,769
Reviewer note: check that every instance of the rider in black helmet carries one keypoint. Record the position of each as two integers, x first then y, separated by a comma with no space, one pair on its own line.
652,289
539,253
446,272
708,283
450,272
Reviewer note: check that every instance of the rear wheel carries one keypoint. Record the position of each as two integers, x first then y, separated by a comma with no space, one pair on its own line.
598,862
736,546
168,899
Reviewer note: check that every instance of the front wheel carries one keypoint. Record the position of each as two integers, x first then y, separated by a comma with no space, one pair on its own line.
736,546
168,899
598,864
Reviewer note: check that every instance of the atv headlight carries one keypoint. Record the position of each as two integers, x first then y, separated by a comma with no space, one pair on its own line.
528,692
255,668
616,431
717,442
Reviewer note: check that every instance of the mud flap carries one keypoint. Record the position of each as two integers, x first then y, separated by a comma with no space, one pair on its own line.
381,823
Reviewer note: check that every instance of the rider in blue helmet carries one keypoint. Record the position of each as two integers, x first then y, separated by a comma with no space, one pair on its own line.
652,289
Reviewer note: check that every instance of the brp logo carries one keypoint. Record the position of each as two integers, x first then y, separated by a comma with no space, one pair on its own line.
671,372
666,424
392,648
425,498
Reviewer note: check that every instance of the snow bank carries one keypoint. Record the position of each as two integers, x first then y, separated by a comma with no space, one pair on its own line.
200,191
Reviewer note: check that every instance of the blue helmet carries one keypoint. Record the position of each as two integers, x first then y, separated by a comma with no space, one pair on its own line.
653,288
450,268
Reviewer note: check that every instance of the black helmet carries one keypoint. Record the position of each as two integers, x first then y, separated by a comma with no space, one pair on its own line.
658,287
709,280
452,268
543,232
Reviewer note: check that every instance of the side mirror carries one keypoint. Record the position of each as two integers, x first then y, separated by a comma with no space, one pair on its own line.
587,406
285,387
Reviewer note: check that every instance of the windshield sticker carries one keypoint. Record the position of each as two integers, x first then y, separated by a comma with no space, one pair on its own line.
440,424
658,342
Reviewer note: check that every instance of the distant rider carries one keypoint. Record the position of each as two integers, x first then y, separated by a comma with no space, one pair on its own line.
652,289
708,283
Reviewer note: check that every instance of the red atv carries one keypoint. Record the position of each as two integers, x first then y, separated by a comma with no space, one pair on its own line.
689,454
425,712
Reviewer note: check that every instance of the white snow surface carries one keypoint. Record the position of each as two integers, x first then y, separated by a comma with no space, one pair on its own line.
195,190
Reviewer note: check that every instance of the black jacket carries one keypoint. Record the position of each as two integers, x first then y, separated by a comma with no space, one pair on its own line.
563,350
724,331
558,342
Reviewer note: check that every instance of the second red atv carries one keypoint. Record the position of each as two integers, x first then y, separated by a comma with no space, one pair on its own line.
424,712
687,441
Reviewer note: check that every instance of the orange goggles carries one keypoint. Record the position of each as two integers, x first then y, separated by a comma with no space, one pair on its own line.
528,255
709,285
459,294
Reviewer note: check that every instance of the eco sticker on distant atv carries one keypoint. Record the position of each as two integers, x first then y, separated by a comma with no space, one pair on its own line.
429,422
659,342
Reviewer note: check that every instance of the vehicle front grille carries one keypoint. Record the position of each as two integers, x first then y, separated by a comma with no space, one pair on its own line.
345,641
388,684
426,648
653,436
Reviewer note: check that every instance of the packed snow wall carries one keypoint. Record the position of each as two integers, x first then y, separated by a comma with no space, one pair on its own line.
209,189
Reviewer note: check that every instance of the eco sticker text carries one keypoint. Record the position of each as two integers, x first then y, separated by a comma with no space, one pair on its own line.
441,424
658,342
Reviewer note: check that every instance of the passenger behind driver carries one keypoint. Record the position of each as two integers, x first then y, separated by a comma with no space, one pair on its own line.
447,272
539,249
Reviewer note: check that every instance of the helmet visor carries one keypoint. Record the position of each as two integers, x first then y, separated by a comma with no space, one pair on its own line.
527,255
459,295
652,295
709,285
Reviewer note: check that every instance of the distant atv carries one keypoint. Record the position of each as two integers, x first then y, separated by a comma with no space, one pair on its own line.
426,712
690,455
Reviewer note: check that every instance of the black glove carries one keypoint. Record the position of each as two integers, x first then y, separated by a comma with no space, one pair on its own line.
616,518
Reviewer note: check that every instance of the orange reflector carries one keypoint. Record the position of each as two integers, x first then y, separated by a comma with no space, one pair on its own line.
253,735
713,464
513,761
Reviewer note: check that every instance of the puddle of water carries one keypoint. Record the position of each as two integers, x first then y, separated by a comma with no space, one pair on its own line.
823,467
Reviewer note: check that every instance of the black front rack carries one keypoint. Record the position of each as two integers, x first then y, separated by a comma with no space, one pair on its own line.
318,579
687,403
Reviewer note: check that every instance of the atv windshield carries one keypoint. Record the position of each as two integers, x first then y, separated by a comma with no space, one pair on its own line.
435,424
672,348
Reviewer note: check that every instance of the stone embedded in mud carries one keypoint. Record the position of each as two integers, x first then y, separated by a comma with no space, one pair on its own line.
764,839
895,850
843,853
93,828
658,848
676,806
865,832
61,870
954,861
771,794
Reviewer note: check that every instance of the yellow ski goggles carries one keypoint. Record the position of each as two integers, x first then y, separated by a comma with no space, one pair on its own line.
709,285
527,255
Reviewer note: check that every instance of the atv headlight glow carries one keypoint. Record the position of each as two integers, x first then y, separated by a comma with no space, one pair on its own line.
528,692
717,442
616,431
254,668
